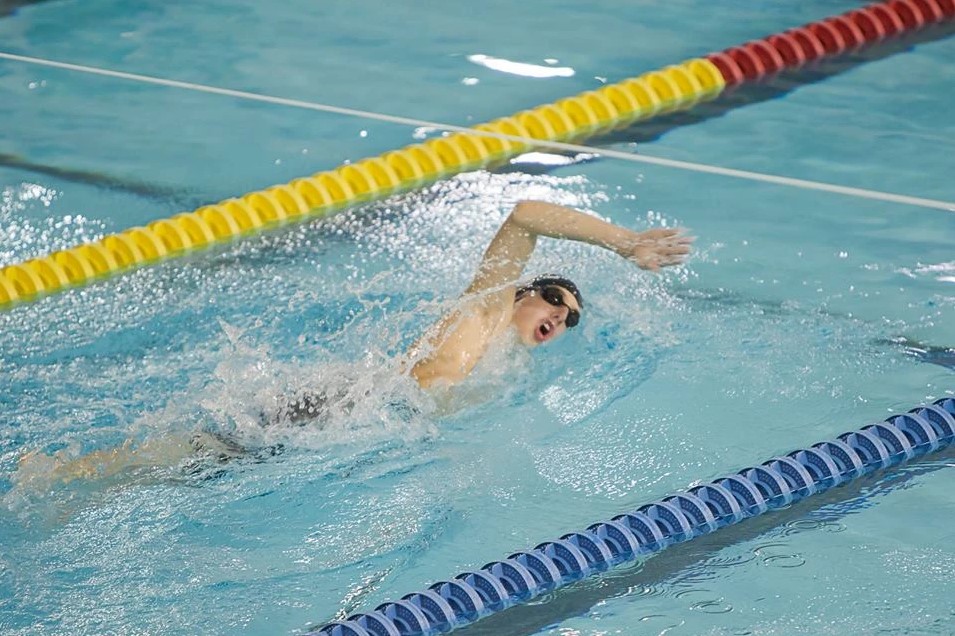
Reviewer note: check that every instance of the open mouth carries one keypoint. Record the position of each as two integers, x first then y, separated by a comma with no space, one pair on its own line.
544,331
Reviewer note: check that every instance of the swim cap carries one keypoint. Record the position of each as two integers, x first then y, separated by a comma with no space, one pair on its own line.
546,280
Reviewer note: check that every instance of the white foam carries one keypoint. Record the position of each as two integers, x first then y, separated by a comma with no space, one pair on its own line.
363,400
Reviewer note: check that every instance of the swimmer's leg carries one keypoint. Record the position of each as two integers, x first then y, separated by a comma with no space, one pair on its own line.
38,470
193,453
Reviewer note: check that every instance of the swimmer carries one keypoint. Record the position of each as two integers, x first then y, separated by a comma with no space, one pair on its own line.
494,305
538,311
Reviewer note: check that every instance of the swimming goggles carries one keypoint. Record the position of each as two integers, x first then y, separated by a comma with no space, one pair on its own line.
555,297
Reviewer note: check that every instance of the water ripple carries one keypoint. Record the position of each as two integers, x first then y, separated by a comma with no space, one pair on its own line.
731,561
804,525
780,559
707,604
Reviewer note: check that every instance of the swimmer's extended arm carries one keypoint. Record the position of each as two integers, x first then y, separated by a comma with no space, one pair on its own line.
511,248
451,348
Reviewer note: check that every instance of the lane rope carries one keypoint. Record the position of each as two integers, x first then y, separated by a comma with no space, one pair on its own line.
806,184
557,125
776,483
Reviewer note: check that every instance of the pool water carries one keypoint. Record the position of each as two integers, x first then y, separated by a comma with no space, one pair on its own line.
779,332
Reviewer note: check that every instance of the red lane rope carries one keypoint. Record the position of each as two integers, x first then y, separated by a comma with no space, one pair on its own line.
829,37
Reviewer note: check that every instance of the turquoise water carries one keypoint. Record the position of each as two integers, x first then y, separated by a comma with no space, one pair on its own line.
772,337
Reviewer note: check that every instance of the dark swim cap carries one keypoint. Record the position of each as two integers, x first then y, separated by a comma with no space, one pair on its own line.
546,280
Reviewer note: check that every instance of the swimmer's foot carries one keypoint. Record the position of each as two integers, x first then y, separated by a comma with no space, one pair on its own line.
27,458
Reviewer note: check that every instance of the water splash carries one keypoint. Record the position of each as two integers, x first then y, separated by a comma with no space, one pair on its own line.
260,399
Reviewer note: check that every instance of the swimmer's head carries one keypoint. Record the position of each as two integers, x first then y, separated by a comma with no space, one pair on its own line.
545,308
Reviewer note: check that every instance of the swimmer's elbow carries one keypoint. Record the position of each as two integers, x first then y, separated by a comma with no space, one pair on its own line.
425,375
527,211
437,371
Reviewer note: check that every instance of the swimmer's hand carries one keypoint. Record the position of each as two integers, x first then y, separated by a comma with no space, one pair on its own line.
656,248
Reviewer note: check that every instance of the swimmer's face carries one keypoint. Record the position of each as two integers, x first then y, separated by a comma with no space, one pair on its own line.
541,315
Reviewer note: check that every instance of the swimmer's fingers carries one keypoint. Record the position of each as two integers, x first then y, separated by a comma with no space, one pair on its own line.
666,235
669,259
656,248
663,238
644,258
674,248
673,260
681,239
659,233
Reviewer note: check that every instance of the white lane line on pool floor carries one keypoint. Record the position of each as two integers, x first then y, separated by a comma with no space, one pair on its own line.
805,184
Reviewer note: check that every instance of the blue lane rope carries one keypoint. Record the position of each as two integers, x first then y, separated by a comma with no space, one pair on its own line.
524,575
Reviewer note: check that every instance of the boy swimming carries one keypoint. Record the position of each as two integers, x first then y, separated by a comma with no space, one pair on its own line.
494,306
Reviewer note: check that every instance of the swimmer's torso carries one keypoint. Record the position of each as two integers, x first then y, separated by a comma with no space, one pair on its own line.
450,350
